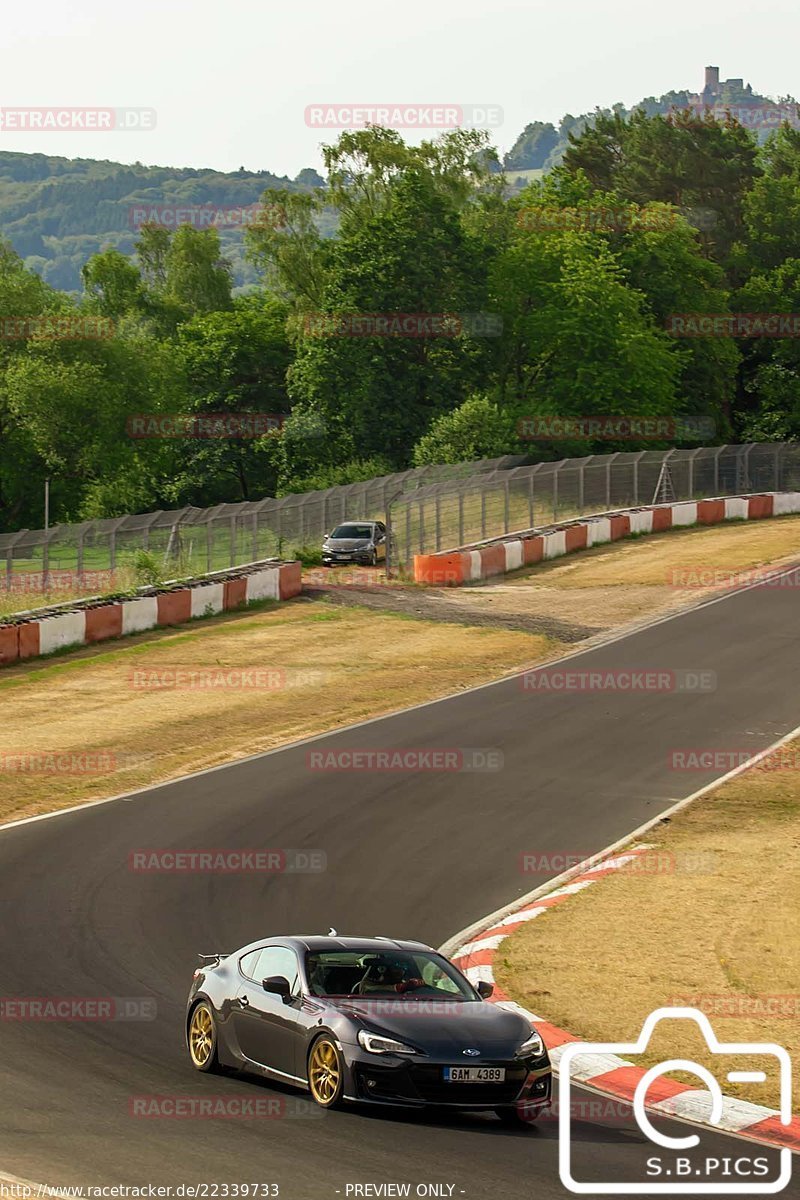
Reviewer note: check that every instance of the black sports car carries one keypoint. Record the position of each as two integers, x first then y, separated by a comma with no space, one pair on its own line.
365,1019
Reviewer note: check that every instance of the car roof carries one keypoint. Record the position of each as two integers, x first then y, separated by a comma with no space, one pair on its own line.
316,942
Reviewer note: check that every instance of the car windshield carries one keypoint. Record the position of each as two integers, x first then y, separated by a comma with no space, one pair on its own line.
413,974
352,531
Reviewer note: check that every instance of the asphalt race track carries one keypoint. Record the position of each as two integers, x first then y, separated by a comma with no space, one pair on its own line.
416,855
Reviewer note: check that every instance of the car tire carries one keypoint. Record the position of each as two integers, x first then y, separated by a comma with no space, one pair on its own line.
518,1116
202,1038
326,1073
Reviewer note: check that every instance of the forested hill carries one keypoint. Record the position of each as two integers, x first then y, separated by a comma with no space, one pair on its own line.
542,145
57,212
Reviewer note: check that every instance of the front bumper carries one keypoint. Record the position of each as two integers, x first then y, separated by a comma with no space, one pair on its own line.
332,558
418,1082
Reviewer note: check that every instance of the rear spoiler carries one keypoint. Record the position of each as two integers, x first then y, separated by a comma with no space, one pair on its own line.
212,960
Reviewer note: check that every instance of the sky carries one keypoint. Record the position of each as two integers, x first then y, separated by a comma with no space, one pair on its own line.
227,83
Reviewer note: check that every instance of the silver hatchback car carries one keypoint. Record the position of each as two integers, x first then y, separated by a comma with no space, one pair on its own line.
362,542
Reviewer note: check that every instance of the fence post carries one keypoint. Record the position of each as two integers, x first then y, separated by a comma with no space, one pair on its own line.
408,533
691,472
387,508
233,541
555,493
438,511
530,500
506,504
208,546
636,462
421,504
581,486
483,514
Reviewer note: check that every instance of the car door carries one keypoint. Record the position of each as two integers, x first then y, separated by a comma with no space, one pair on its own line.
266,1027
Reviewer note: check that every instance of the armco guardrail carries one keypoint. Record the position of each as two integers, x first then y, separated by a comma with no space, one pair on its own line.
83,622
456,567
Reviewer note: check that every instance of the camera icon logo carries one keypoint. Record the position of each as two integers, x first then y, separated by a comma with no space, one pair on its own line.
675,1172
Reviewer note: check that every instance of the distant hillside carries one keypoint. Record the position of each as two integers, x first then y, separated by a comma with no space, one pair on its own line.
57,212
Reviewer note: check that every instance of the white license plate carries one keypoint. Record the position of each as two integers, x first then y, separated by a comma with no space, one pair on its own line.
475,1074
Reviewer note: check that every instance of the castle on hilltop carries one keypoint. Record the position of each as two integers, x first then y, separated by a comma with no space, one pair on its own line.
716,91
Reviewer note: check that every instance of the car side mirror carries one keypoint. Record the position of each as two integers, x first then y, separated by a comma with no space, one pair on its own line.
279,986
484,989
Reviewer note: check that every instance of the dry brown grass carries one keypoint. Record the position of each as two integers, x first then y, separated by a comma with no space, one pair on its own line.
609,586
341,666
726,941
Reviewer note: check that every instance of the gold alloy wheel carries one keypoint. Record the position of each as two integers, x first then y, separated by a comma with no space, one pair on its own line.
201,1036
324,1072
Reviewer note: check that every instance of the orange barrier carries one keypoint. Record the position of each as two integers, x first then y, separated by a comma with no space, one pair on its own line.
575,538
28,639
9,644
759,506
234,593
290,580
174,607
710,512
533,550
443,570
493,560
102,622
662,519
620,527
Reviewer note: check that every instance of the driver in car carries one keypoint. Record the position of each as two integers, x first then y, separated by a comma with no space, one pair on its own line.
386,974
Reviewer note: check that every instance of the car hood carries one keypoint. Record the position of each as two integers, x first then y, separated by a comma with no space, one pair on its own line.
346,543
441,1026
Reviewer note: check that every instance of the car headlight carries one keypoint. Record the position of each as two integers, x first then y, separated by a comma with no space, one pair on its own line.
532,1047
383,1045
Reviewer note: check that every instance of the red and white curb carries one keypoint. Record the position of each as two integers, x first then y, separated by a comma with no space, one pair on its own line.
608,1073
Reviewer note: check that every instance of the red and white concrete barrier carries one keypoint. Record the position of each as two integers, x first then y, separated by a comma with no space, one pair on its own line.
451,568
607,1073
86,622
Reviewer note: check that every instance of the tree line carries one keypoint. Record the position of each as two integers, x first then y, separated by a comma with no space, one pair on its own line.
450,317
